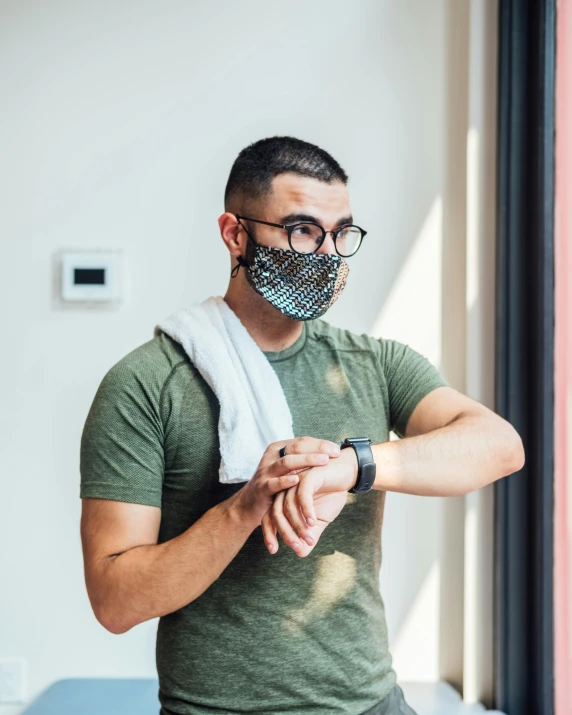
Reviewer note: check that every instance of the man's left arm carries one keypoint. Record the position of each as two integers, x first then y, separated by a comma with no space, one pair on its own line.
453,445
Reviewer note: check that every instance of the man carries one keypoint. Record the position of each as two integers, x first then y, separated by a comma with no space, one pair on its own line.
245,626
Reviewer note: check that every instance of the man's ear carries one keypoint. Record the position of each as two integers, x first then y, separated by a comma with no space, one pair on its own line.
231,234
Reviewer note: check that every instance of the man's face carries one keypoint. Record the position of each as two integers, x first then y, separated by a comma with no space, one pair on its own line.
299,198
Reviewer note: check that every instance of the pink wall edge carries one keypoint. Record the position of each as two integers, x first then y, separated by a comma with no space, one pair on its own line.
563,367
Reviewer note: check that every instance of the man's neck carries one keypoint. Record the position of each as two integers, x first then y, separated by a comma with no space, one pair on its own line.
270,329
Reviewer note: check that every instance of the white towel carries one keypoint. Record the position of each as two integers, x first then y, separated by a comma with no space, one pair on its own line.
253,407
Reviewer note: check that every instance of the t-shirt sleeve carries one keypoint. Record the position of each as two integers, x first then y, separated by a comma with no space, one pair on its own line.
410,376
122,443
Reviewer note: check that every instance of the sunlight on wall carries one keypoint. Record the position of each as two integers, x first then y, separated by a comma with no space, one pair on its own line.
472,632
412,310
473,215
412,314
415,651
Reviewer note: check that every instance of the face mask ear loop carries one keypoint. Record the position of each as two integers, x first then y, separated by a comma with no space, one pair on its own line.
240,260
235,270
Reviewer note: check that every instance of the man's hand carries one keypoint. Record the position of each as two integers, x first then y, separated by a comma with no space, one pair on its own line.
301,513
126,569
275,473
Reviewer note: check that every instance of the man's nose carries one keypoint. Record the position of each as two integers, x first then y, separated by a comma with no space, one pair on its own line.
328,246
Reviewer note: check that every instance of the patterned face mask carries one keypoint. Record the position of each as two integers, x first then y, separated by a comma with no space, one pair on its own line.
302,286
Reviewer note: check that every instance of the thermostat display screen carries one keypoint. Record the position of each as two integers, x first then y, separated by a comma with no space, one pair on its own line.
92,276
89,276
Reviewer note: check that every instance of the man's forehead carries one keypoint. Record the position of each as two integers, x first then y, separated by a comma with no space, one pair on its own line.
292,193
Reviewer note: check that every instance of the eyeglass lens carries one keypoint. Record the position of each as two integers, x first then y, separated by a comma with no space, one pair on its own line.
306,238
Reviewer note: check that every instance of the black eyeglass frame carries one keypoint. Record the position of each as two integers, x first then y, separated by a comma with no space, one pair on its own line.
291,226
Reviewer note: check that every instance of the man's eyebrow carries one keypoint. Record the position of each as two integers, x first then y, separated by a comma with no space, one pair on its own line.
293,218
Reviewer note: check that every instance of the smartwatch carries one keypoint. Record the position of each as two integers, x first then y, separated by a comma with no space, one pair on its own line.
366,464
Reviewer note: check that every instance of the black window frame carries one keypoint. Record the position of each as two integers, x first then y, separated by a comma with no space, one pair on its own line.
524,501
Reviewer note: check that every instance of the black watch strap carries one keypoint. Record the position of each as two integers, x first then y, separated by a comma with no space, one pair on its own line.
366,464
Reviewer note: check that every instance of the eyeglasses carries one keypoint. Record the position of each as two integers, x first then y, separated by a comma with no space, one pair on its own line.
307,237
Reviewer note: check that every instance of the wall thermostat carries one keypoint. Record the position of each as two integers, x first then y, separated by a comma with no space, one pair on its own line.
92,276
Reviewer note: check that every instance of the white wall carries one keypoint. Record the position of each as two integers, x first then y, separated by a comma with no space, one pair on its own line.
120,121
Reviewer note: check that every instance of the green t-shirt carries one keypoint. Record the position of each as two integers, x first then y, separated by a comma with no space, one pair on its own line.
274,634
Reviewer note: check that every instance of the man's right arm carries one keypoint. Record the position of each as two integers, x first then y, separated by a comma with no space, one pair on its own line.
130,578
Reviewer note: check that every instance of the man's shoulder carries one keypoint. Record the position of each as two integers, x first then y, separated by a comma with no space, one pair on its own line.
389,351
147,367
343,338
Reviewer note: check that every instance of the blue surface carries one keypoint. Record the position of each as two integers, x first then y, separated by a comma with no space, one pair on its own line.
98,696
138,696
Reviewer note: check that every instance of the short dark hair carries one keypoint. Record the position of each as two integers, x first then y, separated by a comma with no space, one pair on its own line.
257,164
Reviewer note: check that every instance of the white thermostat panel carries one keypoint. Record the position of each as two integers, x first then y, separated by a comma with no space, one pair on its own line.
92,276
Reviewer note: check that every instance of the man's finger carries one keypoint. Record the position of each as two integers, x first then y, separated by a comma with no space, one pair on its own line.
295,516
305,497
277,484
282,524
304,445
292,462
269,533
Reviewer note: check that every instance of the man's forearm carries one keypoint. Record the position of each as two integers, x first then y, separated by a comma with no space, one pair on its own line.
453,460
152,580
